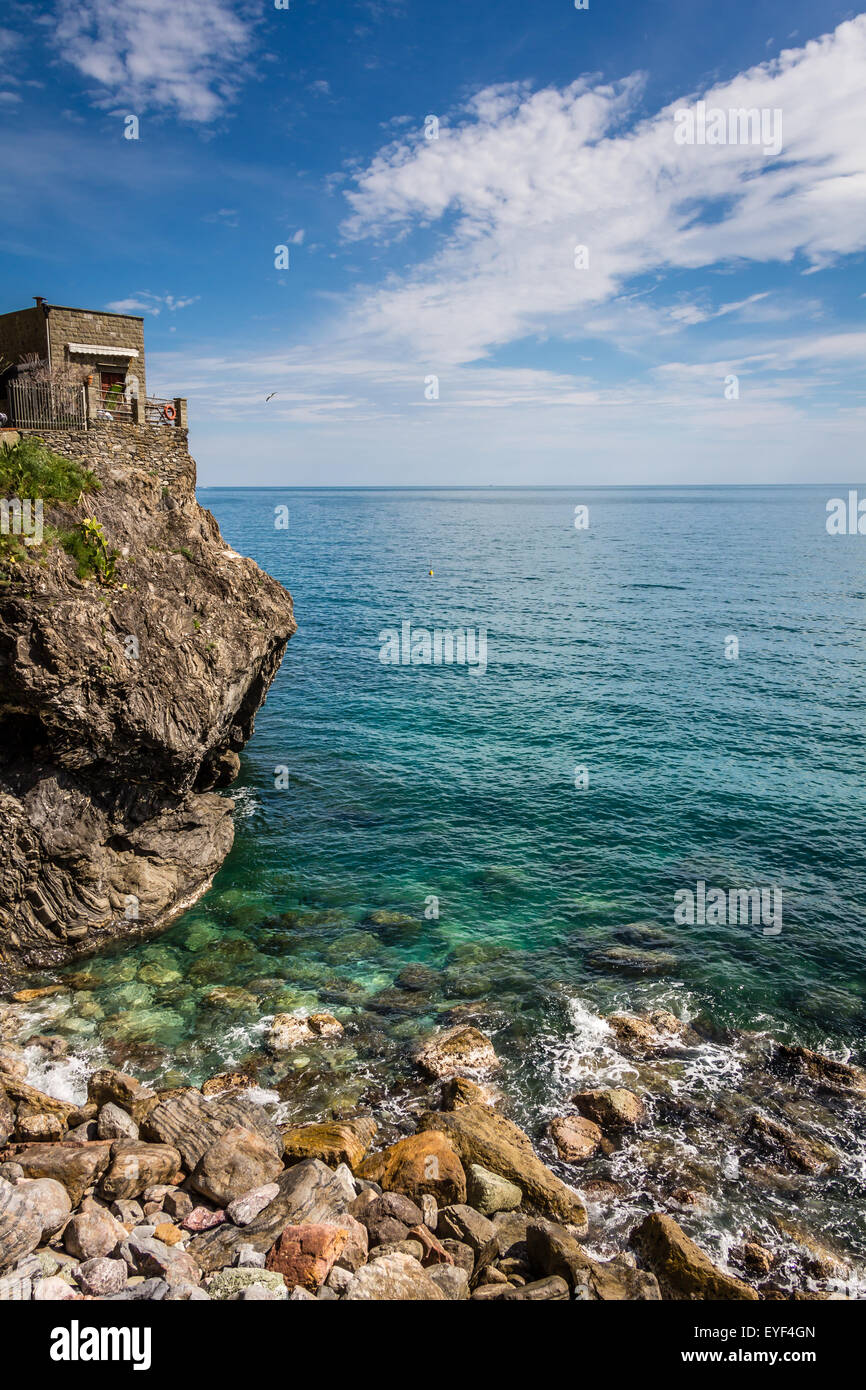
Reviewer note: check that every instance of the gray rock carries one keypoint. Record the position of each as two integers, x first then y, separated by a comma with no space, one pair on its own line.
227,1282
488,1193
20,1227
452,1280
246,1257
192,1122
245,1209
48,1199
464,1223
395,1278
149,1290
101,1277
114,1123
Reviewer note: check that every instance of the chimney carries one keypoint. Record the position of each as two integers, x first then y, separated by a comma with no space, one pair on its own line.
40,301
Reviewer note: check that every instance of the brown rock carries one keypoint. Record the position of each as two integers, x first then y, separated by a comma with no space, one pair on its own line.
107,1086
168,1233
576,1138
459,1090
613,1108
342,1141
240,1160
75,1166
135,1166
822,1073
425,1162
459,1049
481,1135
787,1149
681,1267
305,1254
191,1123
92,1235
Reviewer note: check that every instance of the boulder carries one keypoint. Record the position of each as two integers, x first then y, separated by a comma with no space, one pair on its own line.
55,1290
115,1123
576,1138
20,1227
821,1074
459,1049
245,1209
308,1191
191,1123
488,1192
452,1280
108,1087
154,1259
229,1282
553,1289
305,1254
289,1030
343,1141
48,1199
463,1223
787,1149
239,1161
100,1277
421,1163
93,1234
681,1267
460,1090
75,1166
202,1219
481,1135
394,1278
552,1250
136,1165
7,1115
652,1034
613,1108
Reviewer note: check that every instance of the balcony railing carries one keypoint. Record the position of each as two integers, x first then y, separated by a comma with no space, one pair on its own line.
42,405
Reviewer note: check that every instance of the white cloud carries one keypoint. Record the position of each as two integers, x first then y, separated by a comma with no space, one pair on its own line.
521,178
179,56
146,303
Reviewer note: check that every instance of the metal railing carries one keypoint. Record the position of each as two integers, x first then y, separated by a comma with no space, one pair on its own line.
159,412
41,405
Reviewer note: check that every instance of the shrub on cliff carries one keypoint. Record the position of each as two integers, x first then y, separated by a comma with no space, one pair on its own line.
29,469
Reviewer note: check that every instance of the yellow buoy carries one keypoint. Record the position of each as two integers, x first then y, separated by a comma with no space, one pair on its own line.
430,572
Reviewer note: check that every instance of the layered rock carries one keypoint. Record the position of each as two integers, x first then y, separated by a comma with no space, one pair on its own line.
122,708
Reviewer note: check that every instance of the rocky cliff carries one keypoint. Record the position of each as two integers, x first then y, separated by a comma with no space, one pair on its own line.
123,706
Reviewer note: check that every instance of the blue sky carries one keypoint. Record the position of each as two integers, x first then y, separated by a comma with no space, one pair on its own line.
454,258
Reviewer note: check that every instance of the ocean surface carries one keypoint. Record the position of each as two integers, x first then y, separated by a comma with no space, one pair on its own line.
404,791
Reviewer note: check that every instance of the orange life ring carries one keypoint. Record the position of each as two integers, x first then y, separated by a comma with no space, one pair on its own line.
169,412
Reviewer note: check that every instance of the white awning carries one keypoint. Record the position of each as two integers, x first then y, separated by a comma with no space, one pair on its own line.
99,350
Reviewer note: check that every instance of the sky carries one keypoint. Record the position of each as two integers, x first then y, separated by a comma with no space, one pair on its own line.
508,255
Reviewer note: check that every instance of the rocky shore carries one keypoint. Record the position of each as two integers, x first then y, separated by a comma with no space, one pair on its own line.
200,1193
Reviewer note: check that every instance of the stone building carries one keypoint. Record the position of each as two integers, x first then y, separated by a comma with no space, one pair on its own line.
64,368
109,348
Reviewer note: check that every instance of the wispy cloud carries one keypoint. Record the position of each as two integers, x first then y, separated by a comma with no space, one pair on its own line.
519,178
146,303
177,56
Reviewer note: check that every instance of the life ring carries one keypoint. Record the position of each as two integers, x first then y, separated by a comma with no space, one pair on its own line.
169,412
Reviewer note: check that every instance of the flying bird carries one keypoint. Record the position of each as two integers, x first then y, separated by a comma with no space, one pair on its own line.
270,397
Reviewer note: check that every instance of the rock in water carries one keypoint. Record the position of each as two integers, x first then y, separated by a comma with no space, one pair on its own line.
455,1051
482,1136
123,705
681,1267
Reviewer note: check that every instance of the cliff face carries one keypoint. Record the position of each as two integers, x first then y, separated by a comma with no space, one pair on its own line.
122,708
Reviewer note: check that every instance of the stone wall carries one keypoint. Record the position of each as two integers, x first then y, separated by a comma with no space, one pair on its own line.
159,449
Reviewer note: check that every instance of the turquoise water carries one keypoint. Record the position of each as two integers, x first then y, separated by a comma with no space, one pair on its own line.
605,649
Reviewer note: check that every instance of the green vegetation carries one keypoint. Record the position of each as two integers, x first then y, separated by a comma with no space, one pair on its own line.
29,469
91,552
29,472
